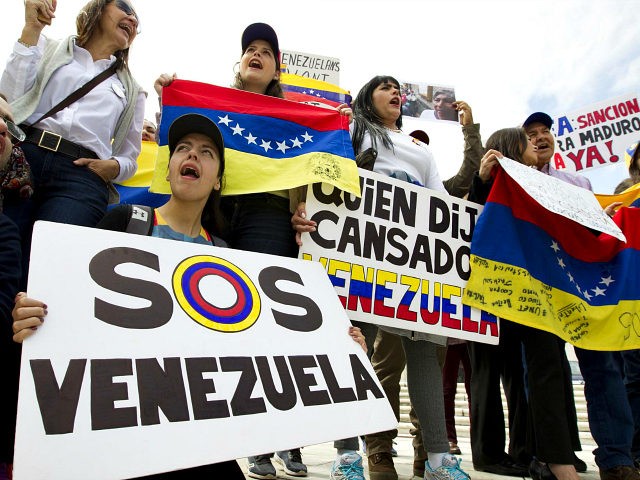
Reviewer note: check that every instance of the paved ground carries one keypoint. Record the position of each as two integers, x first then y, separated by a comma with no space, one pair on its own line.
318,459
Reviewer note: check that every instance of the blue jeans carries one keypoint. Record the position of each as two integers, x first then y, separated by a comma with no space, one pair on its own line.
631,359
261,222
610,417
63,193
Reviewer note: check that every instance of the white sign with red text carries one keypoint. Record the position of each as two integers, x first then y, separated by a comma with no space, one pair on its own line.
596,136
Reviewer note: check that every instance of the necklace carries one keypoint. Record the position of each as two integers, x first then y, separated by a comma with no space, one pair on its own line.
397,130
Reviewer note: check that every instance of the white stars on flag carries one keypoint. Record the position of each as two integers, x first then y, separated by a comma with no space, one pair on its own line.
312,92
607,281
282,146
564,262
225,120
264,144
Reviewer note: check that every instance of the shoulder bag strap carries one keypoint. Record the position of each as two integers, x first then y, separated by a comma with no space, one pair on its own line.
79,93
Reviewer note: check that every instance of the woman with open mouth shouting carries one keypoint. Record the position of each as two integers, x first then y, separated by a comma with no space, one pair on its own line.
73,97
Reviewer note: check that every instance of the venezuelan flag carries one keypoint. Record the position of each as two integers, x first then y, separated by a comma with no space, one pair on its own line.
136,190
270,144
628,197
629,152
309,90
540,269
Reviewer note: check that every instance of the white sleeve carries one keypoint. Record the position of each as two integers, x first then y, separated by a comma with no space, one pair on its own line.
128,155
22,66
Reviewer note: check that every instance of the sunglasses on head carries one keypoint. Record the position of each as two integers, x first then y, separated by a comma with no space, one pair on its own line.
15,131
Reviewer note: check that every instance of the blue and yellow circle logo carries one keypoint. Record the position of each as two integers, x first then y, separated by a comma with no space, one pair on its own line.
186,288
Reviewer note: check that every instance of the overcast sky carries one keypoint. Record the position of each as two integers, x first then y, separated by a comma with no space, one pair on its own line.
505,58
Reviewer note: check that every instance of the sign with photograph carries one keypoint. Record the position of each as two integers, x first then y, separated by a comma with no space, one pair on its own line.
428,102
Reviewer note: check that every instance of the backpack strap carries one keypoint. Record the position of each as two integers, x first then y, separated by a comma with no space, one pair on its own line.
218,242
140,220
141,223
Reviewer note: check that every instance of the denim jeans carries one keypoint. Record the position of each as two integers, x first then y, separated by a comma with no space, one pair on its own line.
610,417
631,359
261,222
63,193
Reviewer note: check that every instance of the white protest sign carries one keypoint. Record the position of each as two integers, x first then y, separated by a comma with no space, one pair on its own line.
398,256
159,355
313,66
570,201
597,135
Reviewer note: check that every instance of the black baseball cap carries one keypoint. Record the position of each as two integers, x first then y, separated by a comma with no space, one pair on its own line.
195,123
261,31
538,117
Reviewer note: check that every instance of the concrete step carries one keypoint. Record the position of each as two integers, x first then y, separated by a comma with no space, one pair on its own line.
462,414
463,433
461,409
583,423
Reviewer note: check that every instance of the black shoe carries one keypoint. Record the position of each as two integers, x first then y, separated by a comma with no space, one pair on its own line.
580,465
505,467
540,471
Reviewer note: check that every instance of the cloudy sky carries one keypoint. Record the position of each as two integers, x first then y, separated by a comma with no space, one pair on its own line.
506,58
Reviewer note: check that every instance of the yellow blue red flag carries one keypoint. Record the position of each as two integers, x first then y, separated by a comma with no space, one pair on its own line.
629,197
310,90
629,152
540,269
136,190
270,143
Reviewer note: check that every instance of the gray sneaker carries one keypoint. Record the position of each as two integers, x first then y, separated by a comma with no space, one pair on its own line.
347,467
260,467
291,462
450,470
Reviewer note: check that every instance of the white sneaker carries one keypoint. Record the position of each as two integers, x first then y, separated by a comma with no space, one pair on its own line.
449,470
347,467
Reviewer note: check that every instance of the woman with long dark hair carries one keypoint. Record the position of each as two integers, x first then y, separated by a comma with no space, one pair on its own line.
377,127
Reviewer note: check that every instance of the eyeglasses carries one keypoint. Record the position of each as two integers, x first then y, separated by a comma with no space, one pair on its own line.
14,130
128,9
